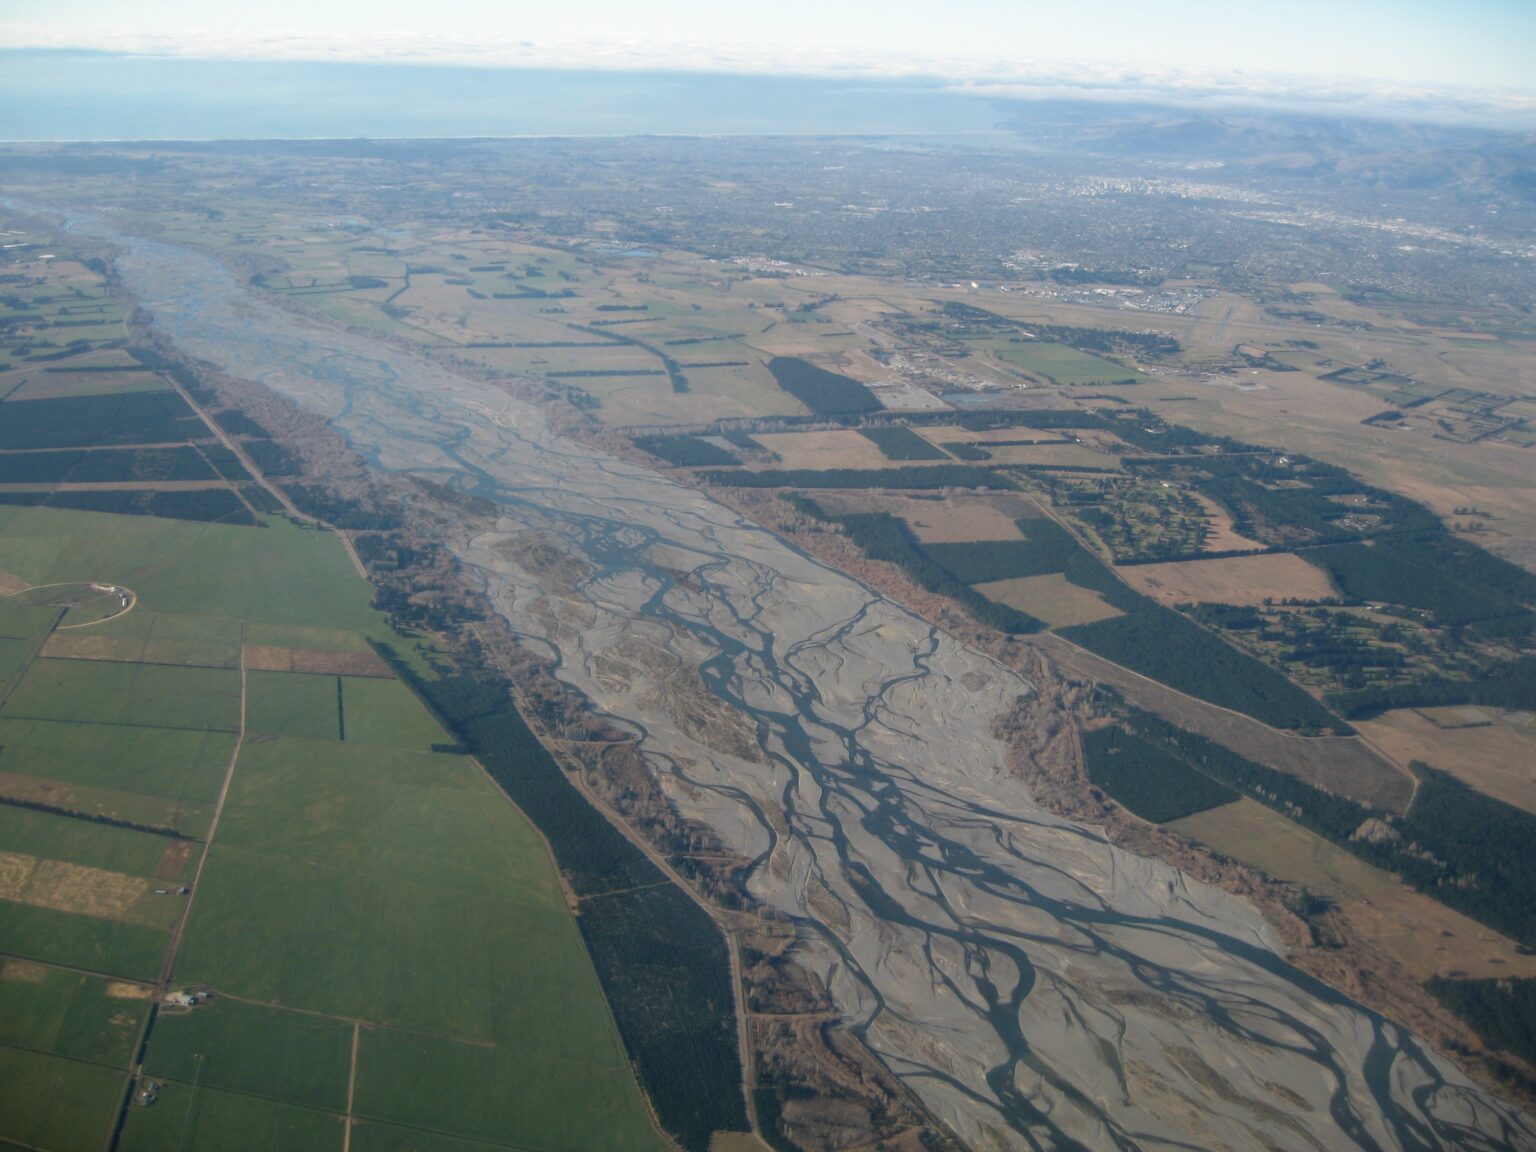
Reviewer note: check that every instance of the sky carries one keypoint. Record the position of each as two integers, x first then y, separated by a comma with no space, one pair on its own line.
1467,53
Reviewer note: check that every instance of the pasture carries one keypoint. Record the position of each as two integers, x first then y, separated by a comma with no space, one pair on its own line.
956,519
82,379
325,845
153,638
293,704
1053,455
56,1104
140,695
835,448
1057,364
369,879
1426,936
69,1014
457,1089
1051,598
1230,580
1494,758
113,947
379,711
187,1117
287,1057
174,774
280,575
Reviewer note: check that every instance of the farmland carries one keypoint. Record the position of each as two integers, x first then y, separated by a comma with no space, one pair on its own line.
340,869
1057,364
1244,580
1426,936
1194,481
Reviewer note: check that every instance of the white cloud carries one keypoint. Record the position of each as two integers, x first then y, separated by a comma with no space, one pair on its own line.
977,75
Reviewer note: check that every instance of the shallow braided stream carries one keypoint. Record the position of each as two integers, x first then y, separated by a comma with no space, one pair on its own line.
1035,985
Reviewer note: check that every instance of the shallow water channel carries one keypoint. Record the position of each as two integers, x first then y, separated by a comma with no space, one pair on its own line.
1036,986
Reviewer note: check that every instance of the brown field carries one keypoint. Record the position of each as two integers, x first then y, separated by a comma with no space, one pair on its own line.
67,887
269,658
174,860
1229,580
1050,598
23,971
1428,938
15,872
961,521
948,432
1451,334
1068,455
1223,537
823,343
1497,759
1323,419
123,990
299,636
837,448
1466,716
10,583
951,520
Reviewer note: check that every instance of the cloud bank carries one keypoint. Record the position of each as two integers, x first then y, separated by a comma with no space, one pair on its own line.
980,75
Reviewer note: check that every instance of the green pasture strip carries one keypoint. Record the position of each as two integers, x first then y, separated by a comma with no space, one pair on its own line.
182,765
273,1053
384,712
291,704
188,1118
114,947
147,695
56,1104
86,842
520,1095
70,1014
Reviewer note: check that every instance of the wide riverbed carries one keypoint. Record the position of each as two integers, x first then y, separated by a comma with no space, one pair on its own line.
1038,987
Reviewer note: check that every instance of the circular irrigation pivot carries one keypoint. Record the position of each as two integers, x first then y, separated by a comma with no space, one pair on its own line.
83,603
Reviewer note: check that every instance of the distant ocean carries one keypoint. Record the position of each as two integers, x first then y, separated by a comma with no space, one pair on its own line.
101,96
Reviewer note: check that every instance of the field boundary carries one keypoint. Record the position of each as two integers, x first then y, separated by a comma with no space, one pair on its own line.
168,965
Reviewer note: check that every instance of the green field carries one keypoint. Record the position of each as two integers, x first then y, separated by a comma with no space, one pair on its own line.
57,1104
67,1014
278,1055
367,883
385,712
278,575
21,620
155,638
14,654
160,777
84,842
185,1118
1062,365
293,704
370,1136
141,695
454,1088
112,947
335,842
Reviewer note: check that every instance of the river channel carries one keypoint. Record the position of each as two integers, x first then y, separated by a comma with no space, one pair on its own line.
1035,985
